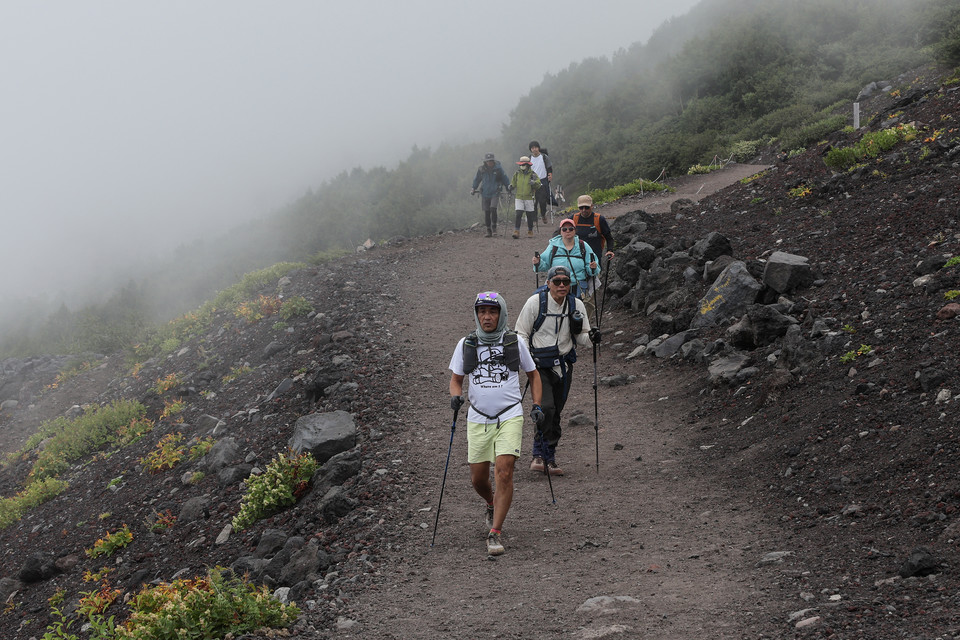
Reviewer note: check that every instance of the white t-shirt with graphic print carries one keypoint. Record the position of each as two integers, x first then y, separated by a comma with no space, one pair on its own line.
491,385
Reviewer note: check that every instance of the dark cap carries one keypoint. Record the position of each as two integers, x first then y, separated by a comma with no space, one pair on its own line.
488,156
557,271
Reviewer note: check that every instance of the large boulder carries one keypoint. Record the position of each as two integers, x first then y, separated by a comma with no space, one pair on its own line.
785,272
760,325
324,435
728,297
711,247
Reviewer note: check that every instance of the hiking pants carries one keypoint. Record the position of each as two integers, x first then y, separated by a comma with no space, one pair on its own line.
541,198
490,213
531,218
555,391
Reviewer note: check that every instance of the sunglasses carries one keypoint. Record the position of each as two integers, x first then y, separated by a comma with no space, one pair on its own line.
566,228
487,297
582,208
561,282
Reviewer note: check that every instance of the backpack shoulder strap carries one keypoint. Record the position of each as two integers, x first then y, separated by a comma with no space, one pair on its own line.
470,352
511,350
541,314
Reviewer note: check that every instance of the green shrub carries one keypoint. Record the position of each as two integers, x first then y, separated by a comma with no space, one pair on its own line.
745,150
285,479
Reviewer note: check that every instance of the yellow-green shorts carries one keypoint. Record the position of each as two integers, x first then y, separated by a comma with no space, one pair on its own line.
485,442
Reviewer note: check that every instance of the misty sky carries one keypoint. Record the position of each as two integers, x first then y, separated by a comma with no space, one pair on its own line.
128,127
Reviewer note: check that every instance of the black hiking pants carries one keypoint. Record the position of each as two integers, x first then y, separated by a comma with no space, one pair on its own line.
555,390
541,198
490,212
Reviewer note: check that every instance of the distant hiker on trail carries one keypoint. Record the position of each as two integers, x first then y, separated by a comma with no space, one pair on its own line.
553,322
593,229
569,251
492,357
541,165
525,184
490,178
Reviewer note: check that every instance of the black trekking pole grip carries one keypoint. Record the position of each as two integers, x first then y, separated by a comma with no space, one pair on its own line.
536,270
443,484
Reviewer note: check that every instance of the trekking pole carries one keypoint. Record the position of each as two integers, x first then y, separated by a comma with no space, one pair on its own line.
536,272
436,522
546,467
596,407
603,298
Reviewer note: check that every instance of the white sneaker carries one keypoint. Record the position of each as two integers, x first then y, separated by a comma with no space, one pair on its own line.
494,546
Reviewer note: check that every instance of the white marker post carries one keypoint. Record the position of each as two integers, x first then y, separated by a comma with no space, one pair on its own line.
856,116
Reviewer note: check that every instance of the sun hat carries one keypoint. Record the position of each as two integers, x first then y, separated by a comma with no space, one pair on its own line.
524,160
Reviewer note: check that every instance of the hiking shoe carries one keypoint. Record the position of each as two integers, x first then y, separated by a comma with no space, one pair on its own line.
529,234
554,469
537,464
489,233
488,517
516,234
494,546
543,219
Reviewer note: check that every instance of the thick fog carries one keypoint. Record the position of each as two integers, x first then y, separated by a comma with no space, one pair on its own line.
127,128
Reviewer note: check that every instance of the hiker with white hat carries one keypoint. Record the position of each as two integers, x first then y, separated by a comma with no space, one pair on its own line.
524,184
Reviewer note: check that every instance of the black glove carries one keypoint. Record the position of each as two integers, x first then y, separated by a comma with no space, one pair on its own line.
594,335
537,415
456,402
510,189
473,192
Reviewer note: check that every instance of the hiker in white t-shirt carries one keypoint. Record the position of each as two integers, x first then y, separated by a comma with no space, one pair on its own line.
542,166
491,359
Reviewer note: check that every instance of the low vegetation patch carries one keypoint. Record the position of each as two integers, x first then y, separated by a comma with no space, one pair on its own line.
68,440
13,508
295,306
698,169
165,455
108,544
216,606
601,196
871,145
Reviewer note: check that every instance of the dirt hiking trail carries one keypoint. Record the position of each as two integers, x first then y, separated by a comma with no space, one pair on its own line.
655,545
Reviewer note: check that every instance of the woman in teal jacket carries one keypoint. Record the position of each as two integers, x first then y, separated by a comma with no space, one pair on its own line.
569,251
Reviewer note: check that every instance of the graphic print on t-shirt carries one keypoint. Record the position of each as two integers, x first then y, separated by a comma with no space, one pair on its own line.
490,367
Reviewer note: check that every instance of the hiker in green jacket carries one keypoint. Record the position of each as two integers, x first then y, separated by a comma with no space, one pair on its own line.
525,184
